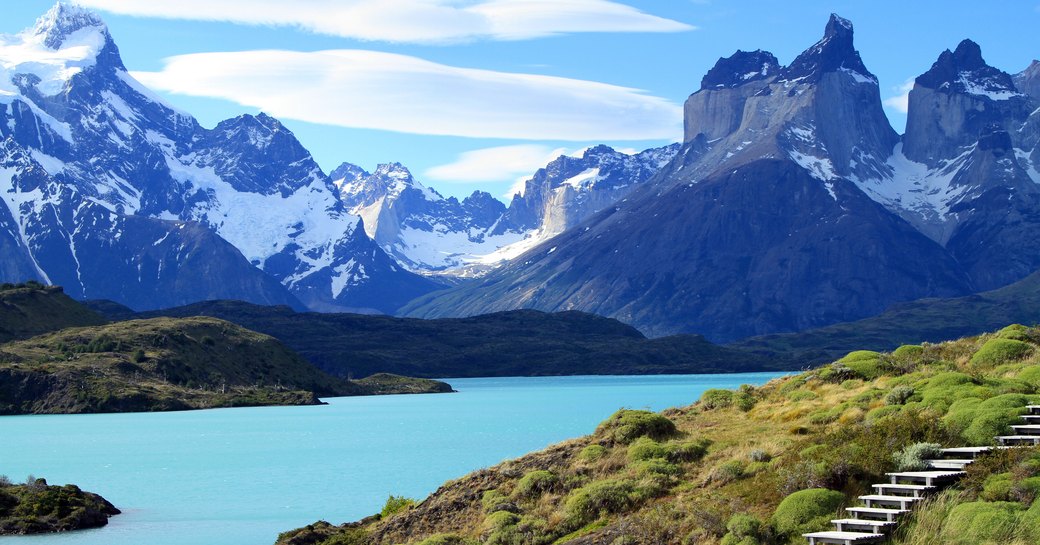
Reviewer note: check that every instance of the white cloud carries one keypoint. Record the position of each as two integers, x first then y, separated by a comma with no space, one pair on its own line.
421,21
374,90
901,102
497,164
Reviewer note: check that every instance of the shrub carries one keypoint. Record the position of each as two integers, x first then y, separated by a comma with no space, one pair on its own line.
981,522
588,502
627,425
912,458
1016,332
997,487
742,530
396,504
801,395
139,356
899,395
864,364
745,398
806,511
908,352
657,467
759,456
716,399
536,483
646,448
494,500
997,351
727,472
1031,376
592,453
882,412
979,421
687,451
5,481
1026,490
499,520
352,536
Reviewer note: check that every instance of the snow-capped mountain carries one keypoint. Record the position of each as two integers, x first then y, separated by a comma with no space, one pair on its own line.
759,224
105,147
433,234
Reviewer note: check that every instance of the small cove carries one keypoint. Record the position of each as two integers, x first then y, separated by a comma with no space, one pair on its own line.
240,476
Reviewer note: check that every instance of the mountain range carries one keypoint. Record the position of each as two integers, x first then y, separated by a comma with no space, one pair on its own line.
790,204
793,203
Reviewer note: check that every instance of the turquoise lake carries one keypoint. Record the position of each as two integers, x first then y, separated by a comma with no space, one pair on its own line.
241,476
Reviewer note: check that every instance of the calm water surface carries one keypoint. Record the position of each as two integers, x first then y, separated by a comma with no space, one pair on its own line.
240,476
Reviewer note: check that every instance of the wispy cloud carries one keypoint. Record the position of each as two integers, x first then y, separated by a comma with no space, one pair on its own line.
497,164
374,90
901,101
418,21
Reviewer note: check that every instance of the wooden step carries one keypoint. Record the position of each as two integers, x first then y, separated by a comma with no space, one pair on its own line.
929,478
1027,429
915,490
863,525
947,464
879,513
968,452
1031,418
876,500
842,538
1033,409
1016,440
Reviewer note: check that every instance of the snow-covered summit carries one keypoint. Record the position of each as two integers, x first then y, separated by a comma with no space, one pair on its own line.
63,21
965,71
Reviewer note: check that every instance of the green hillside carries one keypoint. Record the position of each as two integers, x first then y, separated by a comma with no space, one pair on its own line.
31,309
160,364
758,466
517,343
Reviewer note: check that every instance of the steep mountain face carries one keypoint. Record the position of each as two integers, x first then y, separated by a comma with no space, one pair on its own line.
966,172
756,226
98,169
1028,80
430,233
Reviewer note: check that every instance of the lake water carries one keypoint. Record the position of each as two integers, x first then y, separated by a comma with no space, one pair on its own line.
241,476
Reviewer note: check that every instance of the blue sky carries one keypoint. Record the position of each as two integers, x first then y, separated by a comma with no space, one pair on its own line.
476,94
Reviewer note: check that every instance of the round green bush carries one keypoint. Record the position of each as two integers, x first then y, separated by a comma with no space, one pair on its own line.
997,487
627,425
806,511
743,525
498,520
716,399
1031,375
899,395
494,500
646,448
860,355
882,412
536,483
981,522
908,352
657,467
687,451
588,502
592,453
997,351
1016,332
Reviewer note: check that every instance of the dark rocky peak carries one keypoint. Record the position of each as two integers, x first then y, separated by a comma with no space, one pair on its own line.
483,207
63,20
260,131
740,68
1028,80
835,52
349,173
598,151
963,70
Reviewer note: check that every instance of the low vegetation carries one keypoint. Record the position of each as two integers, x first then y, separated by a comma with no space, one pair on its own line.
759,466
36,507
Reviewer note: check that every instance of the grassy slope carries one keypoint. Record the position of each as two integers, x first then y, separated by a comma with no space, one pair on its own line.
927,320
504,344
161,364
832,428
36,507
30,310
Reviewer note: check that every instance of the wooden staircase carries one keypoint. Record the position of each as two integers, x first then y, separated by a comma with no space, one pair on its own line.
874,521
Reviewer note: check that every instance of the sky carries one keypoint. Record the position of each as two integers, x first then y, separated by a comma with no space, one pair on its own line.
479,94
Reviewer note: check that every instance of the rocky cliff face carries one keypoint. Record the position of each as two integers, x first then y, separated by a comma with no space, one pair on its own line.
756,226
101,176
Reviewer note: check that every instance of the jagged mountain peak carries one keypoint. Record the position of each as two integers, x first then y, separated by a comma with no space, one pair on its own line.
348,173
740,68
64,19
965,71
834,52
